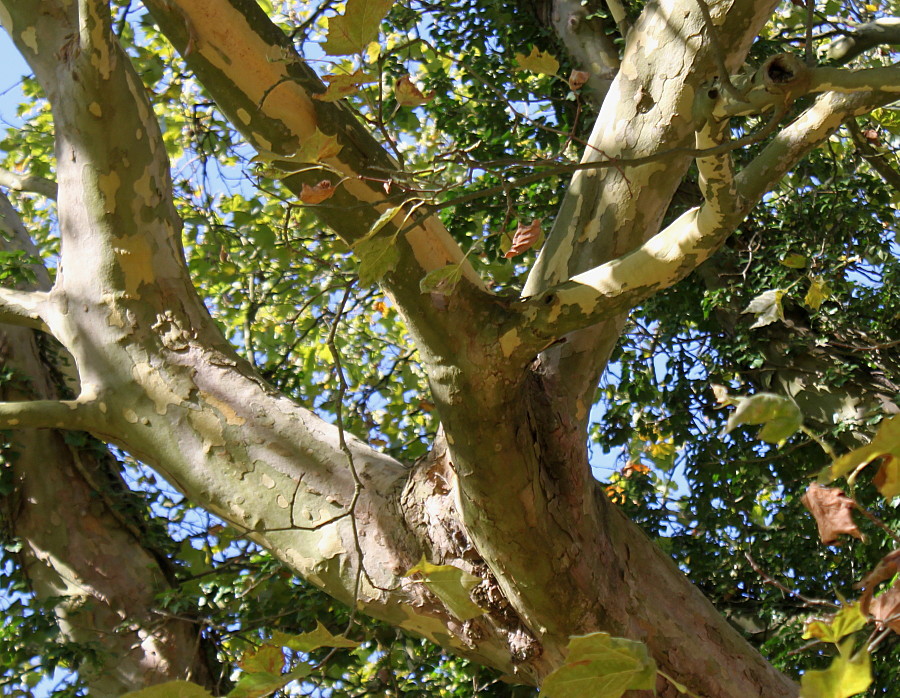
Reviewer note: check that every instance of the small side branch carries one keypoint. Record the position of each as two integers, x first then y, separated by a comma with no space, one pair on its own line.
28,183
48,414
882,32
23,308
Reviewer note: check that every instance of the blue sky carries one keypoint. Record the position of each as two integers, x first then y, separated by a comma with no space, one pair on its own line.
11,73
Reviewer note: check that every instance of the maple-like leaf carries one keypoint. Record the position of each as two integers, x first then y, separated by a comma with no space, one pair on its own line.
780,416
538,62
836,627
171,689
848,675
318,193
408,95
352,31
451,585
818,292
832,510
524,237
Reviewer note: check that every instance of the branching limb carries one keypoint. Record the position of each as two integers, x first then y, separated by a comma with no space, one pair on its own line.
28,183
23,308
881,32
812,127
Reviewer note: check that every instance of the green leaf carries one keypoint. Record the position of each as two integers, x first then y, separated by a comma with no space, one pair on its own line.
794,260
451,585
352,31
538,62
767,308
268,658
818,292
780,415
265,684
847,676
441,280
601,666
307,642
171,689
846,621
377,257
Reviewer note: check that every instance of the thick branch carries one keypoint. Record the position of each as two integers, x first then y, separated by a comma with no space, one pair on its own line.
883,163
28,183
23,308
49,414
880,32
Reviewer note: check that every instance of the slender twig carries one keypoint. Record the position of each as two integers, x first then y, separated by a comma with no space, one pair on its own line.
724,77
768,579
877,521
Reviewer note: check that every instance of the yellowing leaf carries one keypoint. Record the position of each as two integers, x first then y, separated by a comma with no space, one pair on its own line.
359,25
317,148
601,666
846,621
767,308
794,260
317,194
307,642
847,676
268,658
340,86
171,689
818,292
263,684
885,443
408,95
451,585
779,414
538,62
833,512
887,479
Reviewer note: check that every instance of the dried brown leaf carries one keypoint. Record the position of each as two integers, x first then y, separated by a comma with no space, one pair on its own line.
317,194
524,237
408,95
884,570
885,609
577,78
831,509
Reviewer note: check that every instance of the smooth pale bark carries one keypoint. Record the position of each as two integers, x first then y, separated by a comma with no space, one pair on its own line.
79,547
507,493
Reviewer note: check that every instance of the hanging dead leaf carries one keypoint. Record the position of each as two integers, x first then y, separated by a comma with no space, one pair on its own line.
408,95
831,509
524,237
885,609
871,135
317,194
577,78
884,570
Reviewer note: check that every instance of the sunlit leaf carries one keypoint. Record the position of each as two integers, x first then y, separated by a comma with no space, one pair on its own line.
307,642
451,585
538,62
833,629
601,666
767,308
818,293
377,257
441,280
885,444
779,414
360,24
848,675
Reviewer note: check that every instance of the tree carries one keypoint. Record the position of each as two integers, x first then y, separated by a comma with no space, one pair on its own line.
511,353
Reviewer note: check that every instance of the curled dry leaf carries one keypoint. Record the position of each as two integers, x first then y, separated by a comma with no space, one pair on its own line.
577,79
831,509
871,135
408,95
884,570
317,194
885,609
524,237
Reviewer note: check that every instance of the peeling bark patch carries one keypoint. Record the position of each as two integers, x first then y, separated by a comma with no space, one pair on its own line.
29,37
135,259
244,116
108,184
130,416
232,418
95,109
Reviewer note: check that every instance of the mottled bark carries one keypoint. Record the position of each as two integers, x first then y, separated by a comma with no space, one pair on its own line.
507,492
